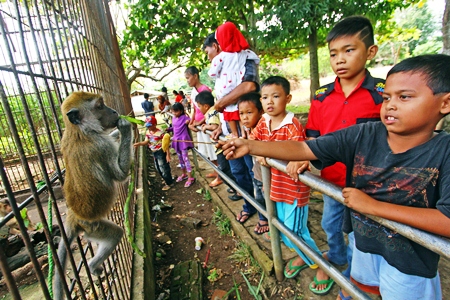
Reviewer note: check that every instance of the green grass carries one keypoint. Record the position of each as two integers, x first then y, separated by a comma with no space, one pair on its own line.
296,109
243,256
222,222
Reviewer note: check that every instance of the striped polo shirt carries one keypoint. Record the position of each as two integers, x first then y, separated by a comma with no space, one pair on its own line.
283,188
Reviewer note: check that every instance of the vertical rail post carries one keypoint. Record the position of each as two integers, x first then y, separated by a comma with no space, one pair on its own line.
274,232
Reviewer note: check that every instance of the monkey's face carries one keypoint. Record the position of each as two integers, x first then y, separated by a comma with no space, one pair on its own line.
89,112
5,209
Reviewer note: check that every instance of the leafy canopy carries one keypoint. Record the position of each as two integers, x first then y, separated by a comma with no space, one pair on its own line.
163,33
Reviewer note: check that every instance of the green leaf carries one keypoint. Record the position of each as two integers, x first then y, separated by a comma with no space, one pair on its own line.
132,120
199,191
39,184
207,196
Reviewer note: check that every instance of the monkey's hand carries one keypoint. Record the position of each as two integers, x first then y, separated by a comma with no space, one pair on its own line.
124,126
122,166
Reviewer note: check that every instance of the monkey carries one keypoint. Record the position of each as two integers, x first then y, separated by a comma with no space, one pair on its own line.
5,209
94,163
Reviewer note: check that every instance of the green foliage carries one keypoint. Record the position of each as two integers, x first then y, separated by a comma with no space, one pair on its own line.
171,33
235,288
243,256
409,28
207,196
222,222
163,32
433,46
160,33
297,109
213,275
254,290
40,115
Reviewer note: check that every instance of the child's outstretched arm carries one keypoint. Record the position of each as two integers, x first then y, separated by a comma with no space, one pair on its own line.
428,219
285,150
211,127
143,143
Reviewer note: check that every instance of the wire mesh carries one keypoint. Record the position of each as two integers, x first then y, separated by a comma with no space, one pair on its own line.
48,49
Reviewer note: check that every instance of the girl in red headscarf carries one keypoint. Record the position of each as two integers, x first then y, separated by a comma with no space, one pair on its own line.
228,68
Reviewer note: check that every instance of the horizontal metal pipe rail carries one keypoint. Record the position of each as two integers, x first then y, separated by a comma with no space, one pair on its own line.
431,241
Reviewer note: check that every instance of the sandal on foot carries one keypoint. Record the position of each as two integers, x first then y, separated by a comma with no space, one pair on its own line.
215,182
242,217
211,175
296,269
166,187
189,182
328,282
231,191
261,228
341,295
181,178
235,197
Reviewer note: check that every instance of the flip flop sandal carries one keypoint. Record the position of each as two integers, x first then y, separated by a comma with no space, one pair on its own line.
243,217
211,175
215,182
181,178
328,282
189,182
341,295
296,269
259,229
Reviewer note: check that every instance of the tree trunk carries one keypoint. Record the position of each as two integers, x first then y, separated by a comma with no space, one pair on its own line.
314,62
446,28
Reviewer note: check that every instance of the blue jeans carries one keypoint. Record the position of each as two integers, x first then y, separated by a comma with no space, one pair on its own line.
224,166
332,218
162,166
259,197
242,171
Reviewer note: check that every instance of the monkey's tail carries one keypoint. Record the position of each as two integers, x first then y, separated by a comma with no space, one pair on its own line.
58,283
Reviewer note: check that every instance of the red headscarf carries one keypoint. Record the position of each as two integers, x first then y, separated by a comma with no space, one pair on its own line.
230,38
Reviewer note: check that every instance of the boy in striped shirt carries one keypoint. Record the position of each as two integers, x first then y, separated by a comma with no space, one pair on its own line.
291,196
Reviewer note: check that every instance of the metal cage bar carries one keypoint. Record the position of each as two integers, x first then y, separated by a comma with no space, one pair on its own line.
49,49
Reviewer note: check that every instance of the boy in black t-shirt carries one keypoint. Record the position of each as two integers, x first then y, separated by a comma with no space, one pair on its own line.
398,170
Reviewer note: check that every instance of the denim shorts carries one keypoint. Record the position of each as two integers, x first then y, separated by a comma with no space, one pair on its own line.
373,270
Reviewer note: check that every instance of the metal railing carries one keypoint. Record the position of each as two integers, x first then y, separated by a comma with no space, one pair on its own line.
433,242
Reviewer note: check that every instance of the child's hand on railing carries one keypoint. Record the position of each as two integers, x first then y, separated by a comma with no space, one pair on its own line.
262,161
235,148
293,168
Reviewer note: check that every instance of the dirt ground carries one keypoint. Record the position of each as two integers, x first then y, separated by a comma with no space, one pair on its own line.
177,240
